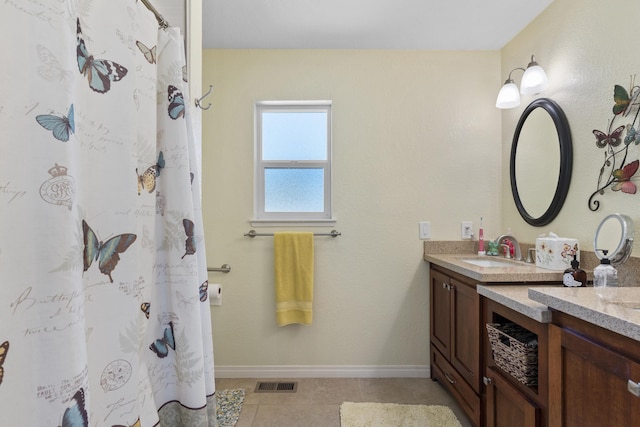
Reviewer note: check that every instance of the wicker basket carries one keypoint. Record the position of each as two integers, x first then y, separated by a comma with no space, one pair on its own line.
515,351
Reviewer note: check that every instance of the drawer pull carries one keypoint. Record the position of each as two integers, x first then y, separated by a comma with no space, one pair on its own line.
452,381
633,388
487,381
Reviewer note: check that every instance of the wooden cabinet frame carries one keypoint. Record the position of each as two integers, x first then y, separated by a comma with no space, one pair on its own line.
590,370
531,401
455,332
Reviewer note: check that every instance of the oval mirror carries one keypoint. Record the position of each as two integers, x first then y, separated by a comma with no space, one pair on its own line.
541,162
615,235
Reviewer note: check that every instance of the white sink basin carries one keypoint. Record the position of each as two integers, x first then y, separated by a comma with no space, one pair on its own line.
482,262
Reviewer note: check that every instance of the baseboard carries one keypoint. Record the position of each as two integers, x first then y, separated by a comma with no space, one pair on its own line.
323,371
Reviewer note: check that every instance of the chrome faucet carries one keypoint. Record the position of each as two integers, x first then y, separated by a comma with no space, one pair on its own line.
516,246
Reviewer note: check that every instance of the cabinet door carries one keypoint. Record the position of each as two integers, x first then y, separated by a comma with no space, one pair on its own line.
592,383
506,406
466,333
440,313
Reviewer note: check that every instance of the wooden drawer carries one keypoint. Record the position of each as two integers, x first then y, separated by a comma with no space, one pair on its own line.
468,399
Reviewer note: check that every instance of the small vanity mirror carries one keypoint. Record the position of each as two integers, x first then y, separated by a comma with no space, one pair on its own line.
615,235
541,162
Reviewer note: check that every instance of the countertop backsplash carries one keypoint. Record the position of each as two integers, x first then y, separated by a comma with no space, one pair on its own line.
628,272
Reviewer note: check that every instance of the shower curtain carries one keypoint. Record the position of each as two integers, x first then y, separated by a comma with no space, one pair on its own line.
104,317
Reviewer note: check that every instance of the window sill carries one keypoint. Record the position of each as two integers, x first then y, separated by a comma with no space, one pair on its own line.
293,223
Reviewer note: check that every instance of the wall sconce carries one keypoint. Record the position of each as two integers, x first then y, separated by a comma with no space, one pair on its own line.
534,80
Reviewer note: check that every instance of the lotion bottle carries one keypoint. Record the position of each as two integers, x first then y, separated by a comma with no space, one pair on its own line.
574,276
605,279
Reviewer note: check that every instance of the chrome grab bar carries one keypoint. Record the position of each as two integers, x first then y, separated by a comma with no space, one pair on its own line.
225,268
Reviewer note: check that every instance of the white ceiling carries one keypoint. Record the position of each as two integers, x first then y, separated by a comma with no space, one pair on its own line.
366,24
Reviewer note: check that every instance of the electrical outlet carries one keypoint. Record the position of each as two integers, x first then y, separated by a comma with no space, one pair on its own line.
466,230
424,230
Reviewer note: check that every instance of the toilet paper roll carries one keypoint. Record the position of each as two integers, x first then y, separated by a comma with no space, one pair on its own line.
215,294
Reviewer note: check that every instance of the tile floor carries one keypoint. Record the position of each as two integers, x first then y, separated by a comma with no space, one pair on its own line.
317,400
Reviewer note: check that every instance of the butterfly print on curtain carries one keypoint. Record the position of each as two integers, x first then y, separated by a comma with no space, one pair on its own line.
149,54
76,414
176,102
61,127
106,253
4,349
190,243
162,345
99,72
147,181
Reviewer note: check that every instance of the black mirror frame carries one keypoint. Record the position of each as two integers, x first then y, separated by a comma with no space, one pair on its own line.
566,161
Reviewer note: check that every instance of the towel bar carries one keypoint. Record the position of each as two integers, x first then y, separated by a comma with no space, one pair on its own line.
225,268
252,234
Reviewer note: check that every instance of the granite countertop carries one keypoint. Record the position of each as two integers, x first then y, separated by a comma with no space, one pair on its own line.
516,297
520,272
622,315
512,287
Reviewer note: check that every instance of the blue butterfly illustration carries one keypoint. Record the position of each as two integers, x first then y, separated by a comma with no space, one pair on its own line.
148,179
176,102
4,349
99,72
106,252
161,346
204,291
76,414
190,243
146,308
61,127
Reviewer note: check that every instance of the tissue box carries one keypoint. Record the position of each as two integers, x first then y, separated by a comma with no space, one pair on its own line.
556,253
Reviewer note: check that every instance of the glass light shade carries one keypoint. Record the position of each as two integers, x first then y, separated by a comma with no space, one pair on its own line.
534,80
509,96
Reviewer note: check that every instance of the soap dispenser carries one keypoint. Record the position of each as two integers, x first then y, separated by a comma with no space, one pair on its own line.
605,278
575,276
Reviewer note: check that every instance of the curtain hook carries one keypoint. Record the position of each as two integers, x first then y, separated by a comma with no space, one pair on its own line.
199,100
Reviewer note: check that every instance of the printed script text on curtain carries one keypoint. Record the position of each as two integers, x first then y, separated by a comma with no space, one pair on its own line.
105,317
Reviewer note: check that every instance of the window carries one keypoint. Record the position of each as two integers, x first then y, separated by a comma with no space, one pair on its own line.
293,161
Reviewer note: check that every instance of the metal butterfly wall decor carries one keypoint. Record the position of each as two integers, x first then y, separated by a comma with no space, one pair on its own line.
617,171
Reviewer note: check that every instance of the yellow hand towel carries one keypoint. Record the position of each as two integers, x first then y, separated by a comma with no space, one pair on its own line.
293,266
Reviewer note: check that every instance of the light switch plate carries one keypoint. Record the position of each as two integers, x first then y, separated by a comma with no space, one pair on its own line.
424,230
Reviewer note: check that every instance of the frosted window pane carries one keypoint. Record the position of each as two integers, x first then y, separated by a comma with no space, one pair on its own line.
294,136
294,190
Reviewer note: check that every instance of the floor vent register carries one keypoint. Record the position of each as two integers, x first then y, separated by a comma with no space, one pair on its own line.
276,387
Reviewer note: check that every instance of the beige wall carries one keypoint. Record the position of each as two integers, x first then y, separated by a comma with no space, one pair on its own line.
415,138
585,46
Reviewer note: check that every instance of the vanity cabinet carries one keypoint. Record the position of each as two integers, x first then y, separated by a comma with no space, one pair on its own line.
594,375
508,402
455,332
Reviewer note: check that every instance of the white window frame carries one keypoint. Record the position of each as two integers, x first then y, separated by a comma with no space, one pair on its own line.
294,218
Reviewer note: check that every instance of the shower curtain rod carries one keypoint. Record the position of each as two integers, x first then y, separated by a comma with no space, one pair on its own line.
164,24
252,234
